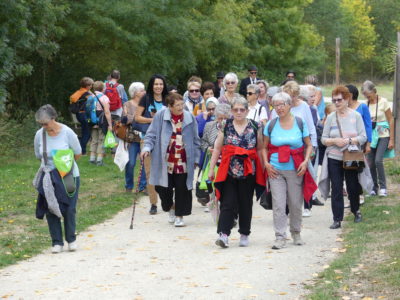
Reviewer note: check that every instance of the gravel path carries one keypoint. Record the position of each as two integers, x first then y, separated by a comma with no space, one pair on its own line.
158,261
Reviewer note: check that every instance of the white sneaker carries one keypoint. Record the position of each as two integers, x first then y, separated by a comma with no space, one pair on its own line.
72,246
206,209
179,222
372,193
306,212
56,249
362,200
244,240
222,241
171,216
382,193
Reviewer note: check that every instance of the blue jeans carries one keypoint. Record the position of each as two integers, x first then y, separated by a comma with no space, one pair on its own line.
69,214
134,151
85,128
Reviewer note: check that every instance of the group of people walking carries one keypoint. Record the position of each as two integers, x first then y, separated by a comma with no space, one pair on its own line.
262,140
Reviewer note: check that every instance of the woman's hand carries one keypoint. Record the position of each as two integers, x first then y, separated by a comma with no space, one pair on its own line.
391,144
367,148
143,155
205,115
302,168
271,170
341,142
211,174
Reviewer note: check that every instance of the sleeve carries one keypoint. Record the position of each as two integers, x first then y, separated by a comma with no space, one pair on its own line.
201,123
361,135
310,124
367,122
196,142
327,128
243,86
204,140
263,114
306,133
36,143
153,132
73,142
266,129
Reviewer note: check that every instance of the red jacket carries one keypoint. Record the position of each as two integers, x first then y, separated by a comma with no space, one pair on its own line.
227,152
309,185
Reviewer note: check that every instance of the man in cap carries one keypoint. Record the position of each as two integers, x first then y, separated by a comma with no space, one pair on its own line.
251,79
219,87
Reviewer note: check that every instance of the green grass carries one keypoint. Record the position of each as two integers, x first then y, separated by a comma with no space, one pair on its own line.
370,265
102,195
385,89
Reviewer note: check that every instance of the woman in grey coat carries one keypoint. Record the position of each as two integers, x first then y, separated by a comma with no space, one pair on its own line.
174,144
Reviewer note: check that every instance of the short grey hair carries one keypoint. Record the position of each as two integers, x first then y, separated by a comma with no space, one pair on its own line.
223,109
266,85
45,113
230,77
304,92
282,96
239,100
254,87
134,88
368,86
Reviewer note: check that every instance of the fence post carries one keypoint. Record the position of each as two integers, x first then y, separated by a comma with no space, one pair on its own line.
337,61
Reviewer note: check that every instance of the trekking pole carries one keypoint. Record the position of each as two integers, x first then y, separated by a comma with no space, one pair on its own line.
140,175
133,213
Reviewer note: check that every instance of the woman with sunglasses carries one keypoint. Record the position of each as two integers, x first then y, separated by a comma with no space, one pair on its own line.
239,171
343,130
257,112
194,97
230,84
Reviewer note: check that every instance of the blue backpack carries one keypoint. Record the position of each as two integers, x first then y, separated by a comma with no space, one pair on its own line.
90,109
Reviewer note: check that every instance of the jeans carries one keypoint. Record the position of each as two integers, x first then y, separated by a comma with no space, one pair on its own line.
375,162
336,175
85,128
69,214
134,151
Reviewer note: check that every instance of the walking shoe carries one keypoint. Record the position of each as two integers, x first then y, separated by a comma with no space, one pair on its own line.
297,239
206,209
153,209
144,191
72,246
171,216
179,222
244,240
307,212
93,162
335,225
222,240
56,249
362,200
100,163
316,202
279,244
382,193
357,217
202,201
373,193
128,190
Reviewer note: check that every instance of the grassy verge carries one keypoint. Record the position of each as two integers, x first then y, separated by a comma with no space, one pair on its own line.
102,195
368,266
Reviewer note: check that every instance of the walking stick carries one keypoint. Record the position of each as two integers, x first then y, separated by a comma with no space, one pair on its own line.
137,190
133,213
140,175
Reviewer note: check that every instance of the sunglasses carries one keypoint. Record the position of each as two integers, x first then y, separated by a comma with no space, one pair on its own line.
253,72
238,110
194,91
250,93
210,109
337,100
230,82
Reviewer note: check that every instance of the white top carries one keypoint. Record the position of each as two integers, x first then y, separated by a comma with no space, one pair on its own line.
257,113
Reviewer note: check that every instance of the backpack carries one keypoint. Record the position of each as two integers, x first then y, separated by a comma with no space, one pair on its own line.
78,105
113,95
271,125
91,109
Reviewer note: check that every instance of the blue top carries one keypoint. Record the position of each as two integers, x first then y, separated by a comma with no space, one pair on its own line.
201,123
286,137
366,116
321,105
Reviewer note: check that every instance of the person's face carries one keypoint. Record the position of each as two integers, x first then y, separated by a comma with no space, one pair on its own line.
158,86
48,125
231,85
251,95
239,112
311,98
140,93
194,91
339,101
177,108
211,109
370,95
262,89
290,76
219,80
207,94
221,117
281,108
253,74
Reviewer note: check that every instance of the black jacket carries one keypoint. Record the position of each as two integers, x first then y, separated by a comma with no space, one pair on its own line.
243,85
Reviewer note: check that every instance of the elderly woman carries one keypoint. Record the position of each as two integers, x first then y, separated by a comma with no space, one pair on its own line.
319,97
54,200
287,150
239,171
193,96
175,145
257,112
208,115
206,91
343,130
230,84
382,135
136,92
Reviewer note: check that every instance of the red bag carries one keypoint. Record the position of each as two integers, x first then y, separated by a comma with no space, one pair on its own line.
113,95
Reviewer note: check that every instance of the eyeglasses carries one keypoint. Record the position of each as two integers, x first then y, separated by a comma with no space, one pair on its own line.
194,91
253,72
230,82
337,100
250,93
279,105
43,124
238,110
211,109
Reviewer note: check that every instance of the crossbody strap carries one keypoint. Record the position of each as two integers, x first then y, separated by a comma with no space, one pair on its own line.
338,124
99,101
44,140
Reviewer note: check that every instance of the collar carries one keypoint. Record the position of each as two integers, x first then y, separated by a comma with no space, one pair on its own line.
187,117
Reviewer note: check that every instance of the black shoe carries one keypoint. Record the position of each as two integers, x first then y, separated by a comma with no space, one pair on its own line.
335,225
357,217
153,209
317,202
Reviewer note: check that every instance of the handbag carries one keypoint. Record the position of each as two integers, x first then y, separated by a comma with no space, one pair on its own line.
143,127
125,132
266,198
352,160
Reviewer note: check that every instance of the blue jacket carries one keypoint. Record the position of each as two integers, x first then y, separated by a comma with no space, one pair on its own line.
157,140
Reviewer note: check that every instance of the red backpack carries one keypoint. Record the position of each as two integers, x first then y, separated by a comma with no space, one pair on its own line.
113,95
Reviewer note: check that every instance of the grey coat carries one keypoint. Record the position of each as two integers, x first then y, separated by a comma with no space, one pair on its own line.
157,140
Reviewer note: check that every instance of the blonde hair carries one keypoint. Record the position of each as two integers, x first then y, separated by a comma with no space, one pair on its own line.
292,88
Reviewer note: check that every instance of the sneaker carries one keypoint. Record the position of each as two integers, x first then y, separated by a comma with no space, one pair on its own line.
279,244
307,212
373,193
317,202
179,222
357,217
93,162
202,201
153,209
244,240
382,193
222,240
100,163
335,225
297,239
362,200
206,209
171,216
56,249
72,246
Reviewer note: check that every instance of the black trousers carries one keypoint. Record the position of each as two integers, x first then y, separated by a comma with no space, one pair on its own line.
337,174
236,198
183,196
